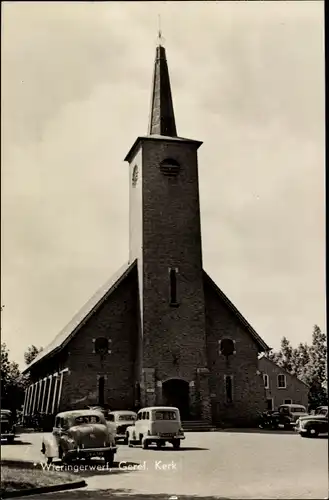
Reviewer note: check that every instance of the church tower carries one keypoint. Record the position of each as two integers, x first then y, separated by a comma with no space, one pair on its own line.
165,239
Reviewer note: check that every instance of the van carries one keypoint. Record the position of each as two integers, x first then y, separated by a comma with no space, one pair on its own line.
158,425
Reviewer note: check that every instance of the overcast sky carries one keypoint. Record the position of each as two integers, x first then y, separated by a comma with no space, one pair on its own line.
247,79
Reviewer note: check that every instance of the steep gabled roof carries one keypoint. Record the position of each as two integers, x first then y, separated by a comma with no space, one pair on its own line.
259,341
83,315
280,368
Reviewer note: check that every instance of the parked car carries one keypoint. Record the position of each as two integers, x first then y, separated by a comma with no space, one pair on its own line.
80,434
313,425
121,420
269,420
156,424
289,414
102,409
8,428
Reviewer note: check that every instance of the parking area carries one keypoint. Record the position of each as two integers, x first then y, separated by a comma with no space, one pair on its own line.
234,464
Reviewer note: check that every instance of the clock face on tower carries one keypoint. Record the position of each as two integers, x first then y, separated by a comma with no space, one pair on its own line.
134,177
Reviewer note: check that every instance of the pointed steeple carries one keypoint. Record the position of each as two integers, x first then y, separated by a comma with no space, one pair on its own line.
162,118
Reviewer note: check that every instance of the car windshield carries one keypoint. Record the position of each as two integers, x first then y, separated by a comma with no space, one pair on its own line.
87,419
165,415
127,416
298,410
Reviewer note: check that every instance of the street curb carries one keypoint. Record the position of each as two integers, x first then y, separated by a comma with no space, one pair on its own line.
44,489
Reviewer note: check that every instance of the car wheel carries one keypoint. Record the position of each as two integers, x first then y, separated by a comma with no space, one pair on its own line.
126,439
10,439
49,460
176,444
312,432
145,444
159,444
109,458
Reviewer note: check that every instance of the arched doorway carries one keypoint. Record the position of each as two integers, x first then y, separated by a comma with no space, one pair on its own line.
175,392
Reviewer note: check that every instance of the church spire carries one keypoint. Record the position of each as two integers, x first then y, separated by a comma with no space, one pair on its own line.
162,118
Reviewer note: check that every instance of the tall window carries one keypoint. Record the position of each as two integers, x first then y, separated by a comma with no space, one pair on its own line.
228,388
282,383
173,286
266,381
101,387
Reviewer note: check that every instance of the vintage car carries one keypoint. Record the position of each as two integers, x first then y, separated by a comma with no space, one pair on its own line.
121,420
156,424
80,434
313,425
289,414
8,429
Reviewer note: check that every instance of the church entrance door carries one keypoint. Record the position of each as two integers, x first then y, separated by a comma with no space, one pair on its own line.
175,392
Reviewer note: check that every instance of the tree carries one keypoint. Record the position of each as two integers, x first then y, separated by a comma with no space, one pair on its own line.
308,363
12,382
31,353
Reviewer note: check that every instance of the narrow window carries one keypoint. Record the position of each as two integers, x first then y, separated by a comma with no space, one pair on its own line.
229,388
269,404
266,381
173,286
282,381
101,387
287,401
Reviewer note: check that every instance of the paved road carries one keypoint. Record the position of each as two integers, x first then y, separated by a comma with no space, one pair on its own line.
246,465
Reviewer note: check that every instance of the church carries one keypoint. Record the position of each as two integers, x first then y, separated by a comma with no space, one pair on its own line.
160,332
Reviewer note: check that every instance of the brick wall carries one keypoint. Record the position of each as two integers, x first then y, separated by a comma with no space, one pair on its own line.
117,320
248,389
172,239
295,389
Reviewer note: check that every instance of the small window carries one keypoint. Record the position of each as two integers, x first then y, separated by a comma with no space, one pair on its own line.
282,384
144,415
169,167
101,345
266,381
173,286
229,388
110,418
287,401
139,416
227,347
147,415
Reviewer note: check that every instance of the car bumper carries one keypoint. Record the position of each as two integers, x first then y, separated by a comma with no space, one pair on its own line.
6,435
165,438
120,436
89,452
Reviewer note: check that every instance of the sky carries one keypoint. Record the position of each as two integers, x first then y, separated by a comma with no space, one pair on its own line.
247,79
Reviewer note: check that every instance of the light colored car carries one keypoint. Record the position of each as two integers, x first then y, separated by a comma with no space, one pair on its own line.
290,413
80,434
156,424
313,425
121,420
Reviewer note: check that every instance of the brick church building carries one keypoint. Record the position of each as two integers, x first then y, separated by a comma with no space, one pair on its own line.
160,331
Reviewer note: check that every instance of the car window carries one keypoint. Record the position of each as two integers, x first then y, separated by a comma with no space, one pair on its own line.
165,415
127,417
299,409
57,422
139,416
111,418
87,419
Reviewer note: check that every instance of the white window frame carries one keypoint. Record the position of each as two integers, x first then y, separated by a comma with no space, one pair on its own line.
285,381
266,379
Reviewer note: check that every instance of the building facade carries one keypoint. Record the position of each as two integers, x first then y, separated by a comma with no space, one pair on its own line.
280,386
160,331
